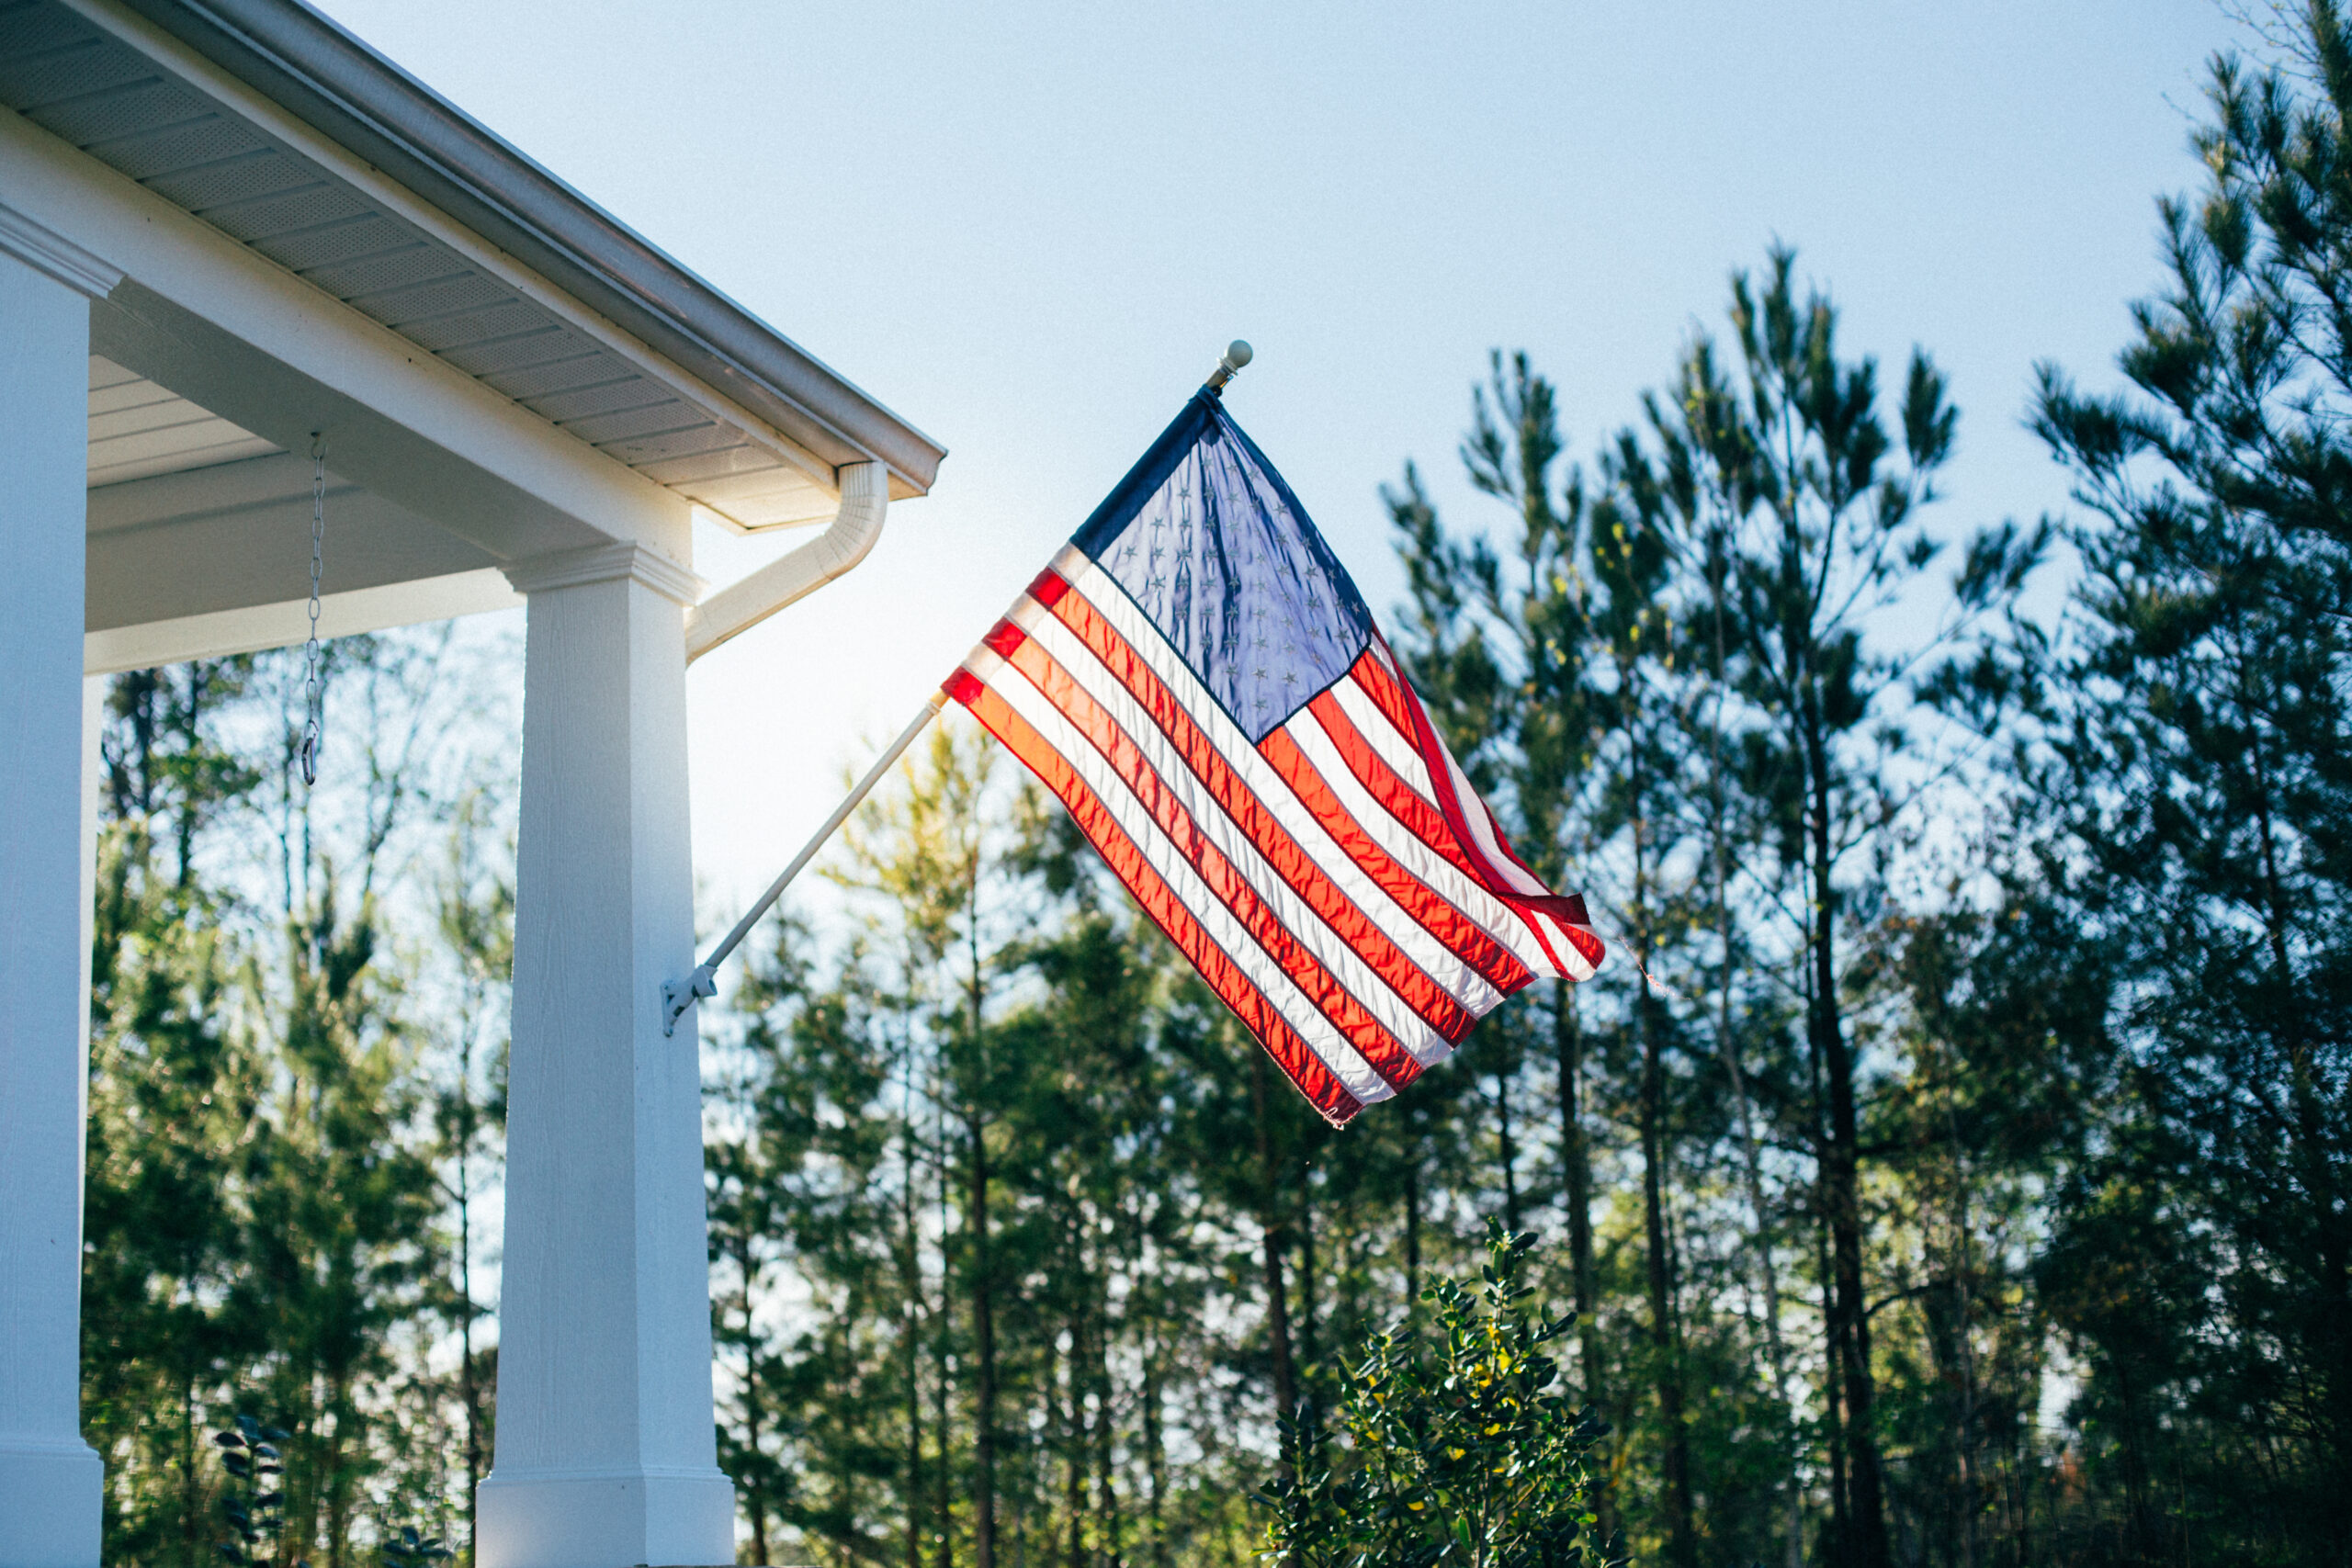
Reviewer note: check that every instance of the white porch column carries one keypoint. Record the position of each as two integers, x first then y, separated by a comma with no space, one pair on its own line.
605,1455
49,1478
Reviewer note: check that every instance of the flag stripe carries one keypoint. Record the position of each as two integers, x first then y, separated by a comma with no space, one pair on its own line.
1397,702
1236,820
1468,892
1307,762
1372,727
1284,803
1129,862
1230,931
1536,904
1396,793
1429,770
1348,1002
1378,678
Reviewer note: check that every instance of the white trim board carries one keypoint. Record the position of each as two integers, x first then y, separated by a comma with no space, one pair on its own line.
287,623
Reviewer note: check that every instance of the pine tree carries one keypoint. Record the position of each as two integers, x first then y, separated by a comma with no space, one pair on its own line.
1503,665
1633,626
172,1065
1835,535
2198,744
475,922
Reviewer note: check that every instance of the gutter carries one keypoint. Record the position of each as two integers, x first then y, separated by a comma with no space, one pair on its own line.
739,606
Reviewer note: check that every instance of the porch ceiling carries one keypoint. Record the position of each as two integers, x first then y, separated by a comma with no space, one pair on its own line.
193,517
140,431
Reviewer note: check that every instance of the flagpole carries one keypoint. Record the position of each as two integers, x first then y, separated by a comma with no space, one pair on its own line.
680,995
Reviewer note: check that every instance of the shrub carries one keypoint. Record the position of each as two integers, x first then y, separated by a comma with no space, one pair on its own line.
1456,1449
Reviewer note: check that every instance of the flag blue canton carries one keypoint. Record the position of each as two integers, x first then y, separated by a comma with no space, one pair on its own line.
1212,546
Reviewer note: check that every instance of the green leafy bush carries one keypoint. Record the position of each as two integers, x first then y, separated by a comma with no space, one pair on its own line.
1456,1449
404,1548
254,1504
254,1500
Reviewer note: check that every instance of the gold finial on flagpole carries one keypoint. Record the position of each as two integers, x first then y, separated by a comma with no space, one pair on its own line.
1237,354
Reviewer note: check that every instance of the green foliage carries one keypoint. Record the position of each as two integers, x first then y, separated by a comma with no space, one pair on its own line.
977,1134
264,1194
2189,760
1459,1446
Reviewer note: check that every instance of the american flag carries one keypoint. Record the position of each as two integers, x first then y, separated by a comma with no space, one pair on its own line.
1198,680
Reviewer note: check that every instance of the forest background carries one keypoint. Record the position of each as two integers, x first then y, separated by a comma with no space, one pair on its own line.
1951,1169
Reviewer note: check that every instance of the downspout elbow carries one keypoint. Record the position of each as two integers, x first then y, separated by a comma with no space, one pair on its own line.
739,606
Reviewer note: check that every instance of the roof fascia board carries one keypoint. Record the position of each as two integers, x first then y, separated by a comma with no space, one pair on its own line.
278,356
243,100
301,60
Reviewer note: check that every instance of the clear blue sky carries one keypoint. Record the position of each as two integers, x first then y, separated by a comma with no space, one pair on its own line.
1029,229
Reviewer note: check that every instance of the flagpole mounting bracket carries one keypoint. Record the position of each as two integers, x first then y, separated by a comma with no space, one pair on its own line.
677,996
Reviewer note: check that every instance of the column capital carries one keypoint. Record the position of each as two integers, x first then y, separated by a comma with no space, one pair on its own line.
605,563
49,253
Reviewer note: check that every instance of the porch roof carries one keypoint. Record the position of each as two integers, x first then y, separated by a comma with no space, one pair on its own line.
268,122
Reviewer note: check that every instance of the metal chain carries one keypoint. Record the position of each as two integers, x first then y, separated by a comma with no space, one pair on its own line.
313,687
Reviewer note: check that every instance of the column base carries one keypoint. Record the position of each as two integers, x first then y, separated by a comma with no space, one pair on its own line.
52,1503
604,1519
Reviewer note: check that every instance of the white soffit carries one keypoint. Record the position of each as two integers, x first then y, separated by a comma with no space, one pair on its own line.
139,430
120,107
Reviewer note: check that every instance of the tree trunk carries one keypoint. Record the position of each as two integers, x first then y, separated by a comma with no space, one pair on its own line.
942,1507
468,1379
1567,1043
1665,1346
338,1487
1840,1165
1767,1283
915,1444
1833,1401
1109,1527
984,1337
1271,1251
1833,1411
1413,1233
1508,1146
912,1317
1842,1190
1278,1327
1074,1448
1666,1353
1308,1274
755,1499
1961,1366
1155,1451
191,1507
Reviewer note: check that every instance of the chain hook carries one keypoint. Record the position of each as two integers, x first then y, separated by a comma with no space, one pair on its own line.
314,685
